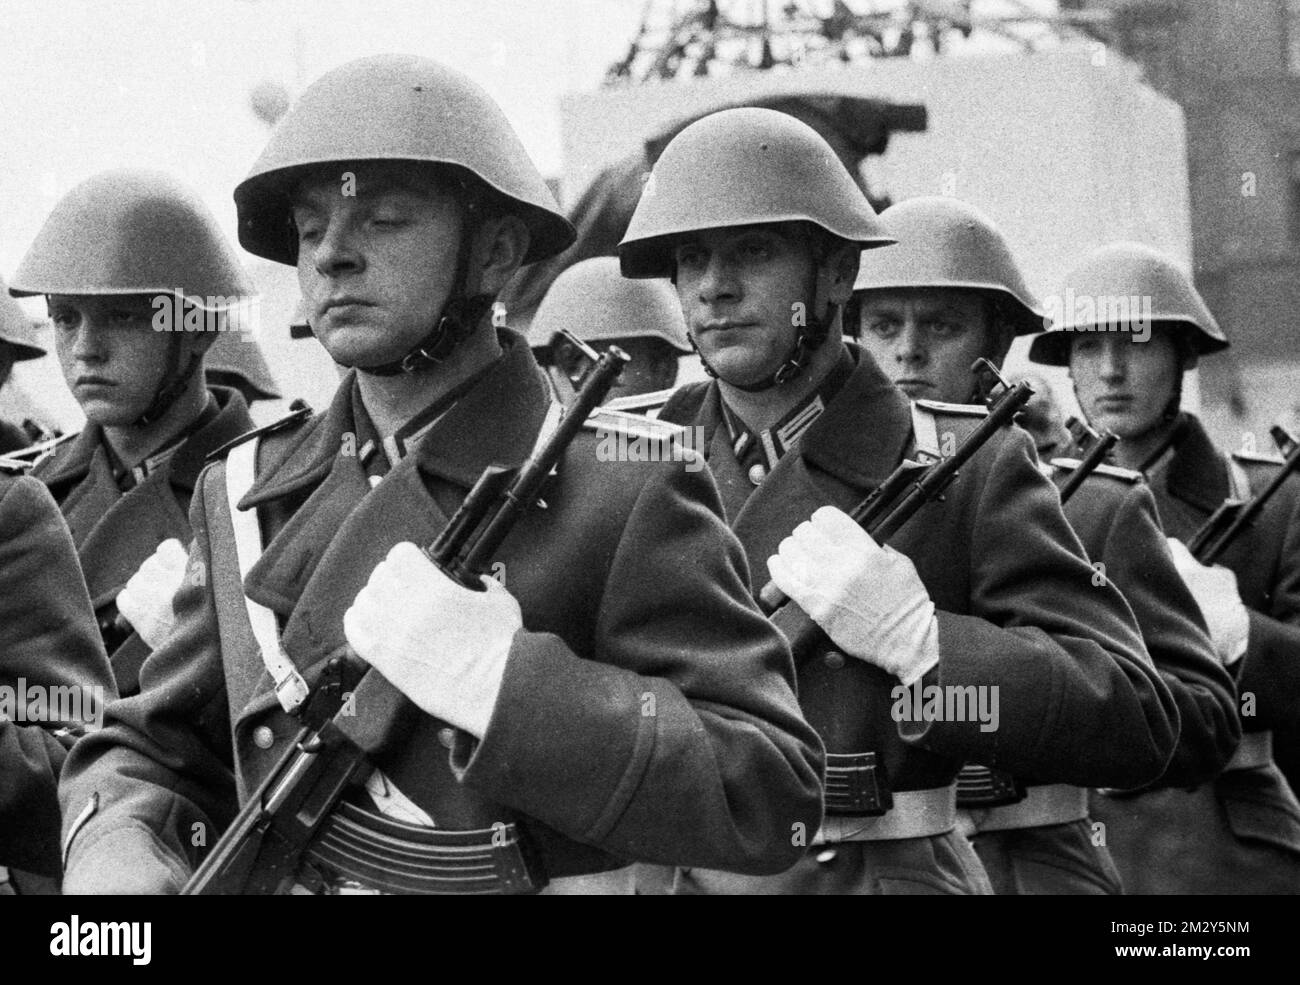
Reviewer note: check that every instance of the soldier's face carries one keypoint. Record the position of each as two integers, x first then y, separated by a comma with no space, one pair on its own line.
377,247
1123,384
925,340
742,291
111,357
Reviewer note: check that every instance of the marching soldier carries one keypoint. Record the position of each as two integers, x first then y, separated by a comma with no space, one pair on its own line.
138,279
49,650
16,345
760,227
608,702
950,292
1240,833
600,306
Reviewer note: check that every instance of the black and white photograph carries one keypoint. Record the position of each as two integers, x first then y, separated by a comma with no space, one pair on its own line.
651,447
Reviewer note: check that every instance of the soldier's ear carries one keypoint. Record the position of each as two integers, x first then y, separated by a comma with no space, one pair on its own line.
841,270
500,245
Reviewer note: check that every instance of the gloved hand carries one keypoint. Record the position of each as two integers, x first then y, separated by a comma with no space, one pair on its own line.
868,598
146,600
1215,589
440,644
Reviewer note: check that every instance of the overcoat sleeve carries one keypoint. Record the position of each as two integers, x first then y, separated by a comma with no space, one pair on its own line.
1079,699
48,640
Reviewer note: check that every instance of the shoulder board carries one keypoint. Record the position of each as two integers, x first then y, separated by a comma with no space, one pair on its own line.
1257,458
641,403
1130,476
292,420
958,410
632,425
35,454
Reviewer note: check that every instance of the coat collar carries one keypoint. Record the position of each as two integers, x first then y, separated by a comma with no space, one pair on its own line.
860,437
495,423
1196,473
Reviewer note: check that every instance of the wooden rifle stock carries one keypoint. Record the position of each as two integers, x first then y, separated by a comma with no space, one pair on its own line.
261,848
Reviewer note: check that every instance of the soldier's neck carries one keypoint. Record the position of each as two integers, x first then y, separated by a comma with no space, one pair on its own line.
1132,452
133,443
765,408
391,401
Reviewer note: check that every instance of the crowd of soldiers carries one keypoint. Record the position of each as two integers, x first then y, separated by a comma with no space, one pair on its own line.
669,673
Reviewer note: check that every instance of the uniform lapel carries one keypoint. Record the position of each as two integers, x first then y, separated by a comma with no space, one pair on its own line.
1196,473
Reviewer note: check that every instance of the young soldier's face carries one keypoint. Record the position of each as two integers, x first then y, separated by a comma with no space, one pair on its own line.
377,247
925,340
743,291
1123,384
111,357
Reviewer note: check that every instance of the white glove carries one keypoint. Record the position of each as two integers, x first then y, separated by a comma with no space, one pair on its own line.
146,600
1215,589
442,645
868,598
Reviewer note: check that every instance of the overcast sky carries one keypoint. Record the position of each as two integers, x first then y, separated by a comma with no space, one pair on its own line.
94,84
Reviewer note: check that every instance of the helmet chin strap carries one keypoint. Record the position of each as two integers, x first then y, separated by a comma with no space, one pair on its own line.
460,315
172,384
810,338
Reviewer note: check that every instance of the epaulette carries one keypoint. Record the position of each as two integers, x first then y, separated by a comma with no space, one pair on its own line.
633,425
1131,476
289,421
960,410
642,403
1257,458
32,455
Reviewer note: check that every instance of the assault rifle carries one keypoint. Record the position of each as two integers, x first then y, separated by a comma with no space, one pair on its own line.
261,848
1094,446
896,500
1234,515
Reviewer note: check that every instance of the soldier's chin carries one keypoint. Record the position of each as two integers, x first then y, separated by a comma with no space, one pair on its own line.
361,347
742,371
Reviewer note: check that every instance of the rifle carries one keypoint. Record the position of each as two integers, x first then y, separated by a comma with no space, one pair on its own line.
896,500
1095,447
1234,515
334,749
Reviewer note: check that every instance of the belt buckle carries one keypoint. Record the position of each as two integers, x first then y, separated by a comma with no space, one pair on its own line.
856,784
981,787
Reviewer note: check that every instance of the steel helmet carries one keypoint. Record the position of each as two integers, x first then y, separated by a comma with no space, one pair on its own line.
395,108
595,302
17,331
739,167
134,231
943,242
236,360
1131,273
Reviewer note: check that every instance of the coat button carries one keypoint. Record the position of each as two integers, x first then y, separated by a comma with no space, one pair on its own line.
757,472
263,737
834,660
447,736
826,856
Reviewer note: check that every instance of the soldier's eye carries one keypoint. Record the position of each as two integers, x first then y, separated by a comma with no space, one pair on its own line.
65,320
690,256
882,328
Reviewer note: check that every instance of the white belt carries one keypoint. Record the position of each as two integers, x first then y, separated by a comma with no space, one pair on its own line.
1255,750
915,814
1054,803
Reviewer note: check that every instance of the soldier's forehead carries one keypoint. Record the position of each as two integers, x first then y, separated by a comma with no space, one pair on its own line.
930,298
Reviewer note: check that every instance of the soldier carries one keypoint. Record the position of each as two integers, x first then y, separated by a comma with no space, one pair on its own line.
1240,833
760,226
952,291
138,280
49,647
16,345
609,703
596,303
